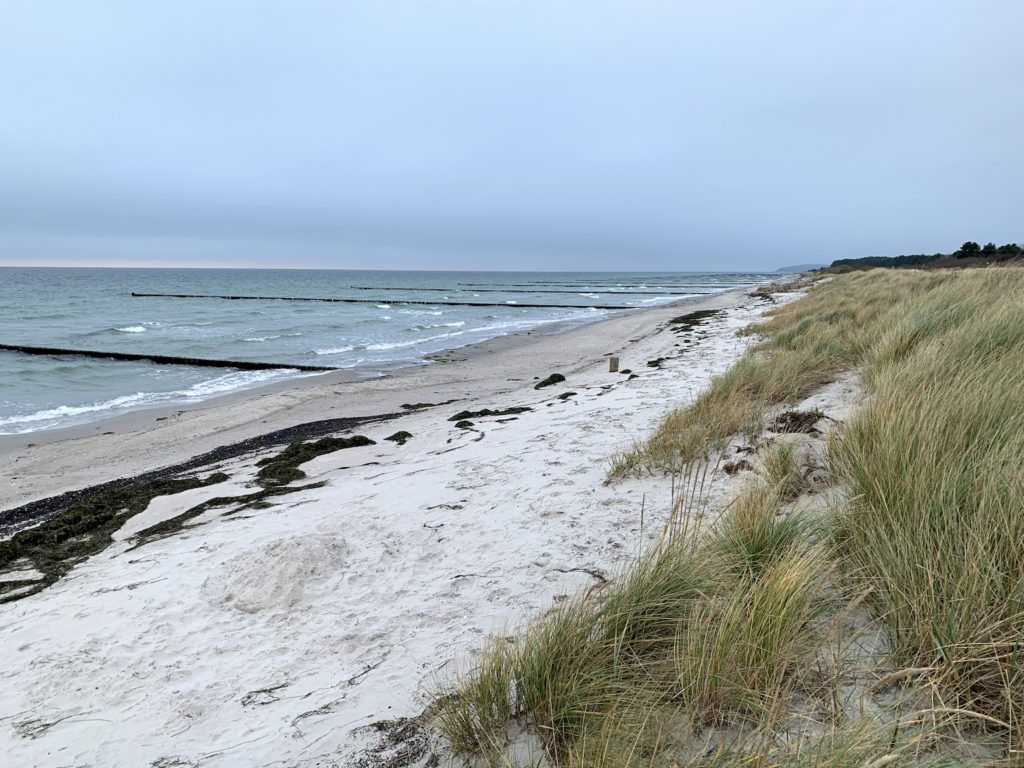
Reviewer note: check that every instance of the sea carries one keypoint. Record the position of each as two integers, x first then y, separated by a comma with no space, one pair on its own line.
395,320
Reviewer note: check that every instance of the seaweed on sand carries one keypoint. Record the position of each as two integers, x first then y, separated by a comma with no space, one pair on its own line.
421,406
55,546
284,467
798,421
554,378
275,475
255,500
691,320
463,415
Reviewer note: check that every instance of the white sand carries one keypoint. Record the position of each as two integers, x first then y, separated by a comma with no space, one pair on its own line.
269,637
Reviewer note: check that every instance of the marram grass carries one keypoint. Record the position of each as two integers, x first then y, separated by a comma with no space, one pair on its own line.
714,650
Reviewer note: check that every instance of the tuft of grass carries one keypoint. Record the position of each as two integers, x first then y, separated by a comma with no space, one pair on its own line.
781,470
753,536
740,650
475,717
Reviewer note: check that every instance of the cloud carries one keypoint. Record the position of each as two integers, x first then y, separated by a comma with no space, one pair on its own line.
608,134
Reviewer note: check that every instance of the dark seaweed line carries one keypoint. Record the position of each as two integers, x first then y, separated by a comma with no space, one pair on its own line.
372,301
17,518
242,365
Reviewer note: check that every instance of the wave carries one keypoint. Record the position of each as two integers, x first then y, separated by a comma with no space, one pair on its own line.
199,391
273,336
130,329
401,344
457,324
333,350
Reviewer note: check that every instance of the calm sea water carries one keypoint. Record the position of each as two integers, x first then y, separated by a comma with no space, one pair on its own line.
93,309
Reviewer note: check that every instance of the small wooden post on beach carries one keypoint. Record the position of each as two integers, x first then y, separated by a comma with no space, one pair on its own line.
613,365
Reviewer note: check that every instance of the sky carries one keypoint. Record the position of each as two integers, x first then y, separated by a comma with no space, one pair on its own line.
492,134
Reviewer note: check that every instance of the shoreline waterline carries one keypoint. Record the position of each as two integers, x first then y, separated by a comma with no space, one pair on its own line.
43,464
413,316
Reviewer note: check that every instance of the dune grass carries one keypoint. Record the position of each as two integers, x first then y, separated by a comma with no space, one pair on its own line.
709,626
729,647
935,461
804,345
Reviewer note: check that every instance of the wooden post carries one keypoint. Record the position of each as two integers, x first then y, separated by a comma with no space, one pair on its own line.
613,365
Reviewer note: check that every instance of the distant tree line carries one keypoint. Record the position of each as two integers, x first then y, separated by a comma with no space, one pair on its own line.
969,250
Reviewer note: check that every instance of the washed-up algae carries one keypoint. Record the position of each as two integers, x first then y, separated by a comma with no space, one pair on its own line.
401,437
55,546
421,406
798,421
554,378
256,500
463,415
284,467
689,321
274,477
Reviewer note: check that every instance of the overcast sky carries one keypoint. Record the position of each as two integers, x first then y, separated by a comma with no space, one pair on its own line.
494,134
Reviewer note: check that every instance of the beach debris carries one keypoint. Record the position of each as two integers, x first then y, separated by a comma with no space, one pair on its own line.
284,467
418,406
626,371
35,512
732,467
613,364
595,573
263,695
53,547
798,421
400,437
554,378
275,477
691,320
565,395
33,729
463,415
464,424
404,742
656,362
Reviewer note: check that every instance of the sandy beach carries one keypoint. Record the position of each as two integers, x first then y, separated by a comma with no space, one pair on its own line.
275,636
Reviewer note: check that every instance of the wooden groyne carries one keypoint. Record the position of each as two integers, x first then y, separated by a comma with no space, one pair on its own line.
242,365
524,290
374,301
